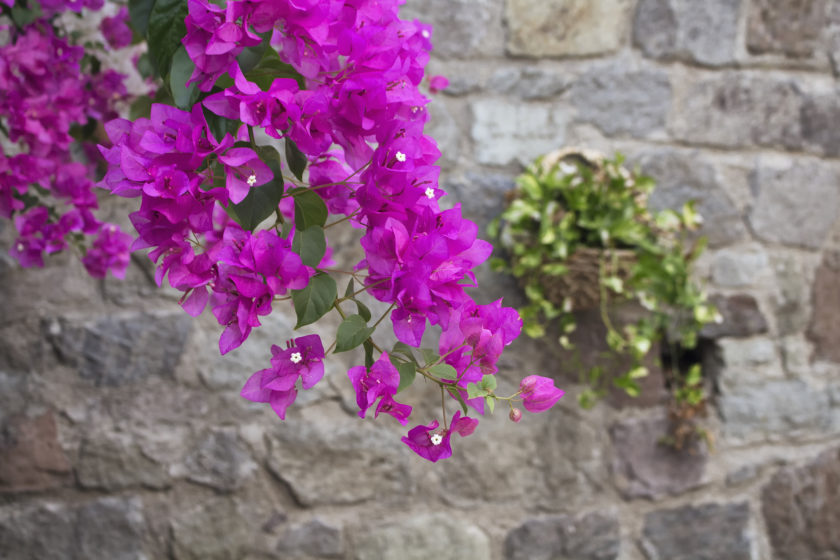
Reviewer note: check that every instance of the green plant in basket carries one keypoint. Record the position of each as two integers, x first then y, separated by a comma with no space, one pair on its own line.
579,235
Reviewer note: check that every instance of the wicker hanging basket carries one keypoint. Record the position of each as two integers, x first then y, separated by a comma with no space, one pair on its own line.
580,287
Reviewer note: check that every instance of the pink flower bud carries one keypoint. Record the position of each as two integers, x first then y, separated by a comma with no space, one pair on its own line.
515,414
539,393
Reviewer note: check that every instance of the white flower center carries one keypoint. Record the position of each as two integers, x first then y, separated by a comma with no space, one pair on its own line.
20,247
251,180
436,439
425,33
295,358
430,193
400,156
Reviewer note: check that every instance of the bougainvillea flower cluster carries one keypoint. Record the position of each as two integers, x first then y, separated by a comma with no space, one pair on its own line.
49,92
349,107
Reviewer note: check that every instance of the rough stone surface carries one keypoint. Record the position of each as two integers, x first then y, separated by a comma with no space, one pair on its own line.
816,112
682,177
774,410
737,110
645,468
788,27
114,462
215,529
593,537
703,32
824,330
482,196
220,461
530,83
741,317
505,131
739,267
792,305
32,458
805,194
421,537
623,103
801,508
706,532
313,539
117,350
304,455
566,27
105,529
461,27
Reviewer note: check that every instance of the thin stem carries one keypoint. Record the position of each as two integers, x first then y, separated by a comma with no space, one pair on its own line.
376,324
364,289
344,219
443,407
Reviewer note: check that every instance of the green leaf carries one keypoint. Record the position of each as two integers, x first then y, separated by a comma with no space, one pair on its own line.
144,66
23,16
138,15
488,383
404,350
351,289
165,30
270,68
474,391
457,396
491,403
250,57
352,332
295,158
315,300
408,371
368,353
444,371
141,107
310,244
182,69
363,310
310,209
430,356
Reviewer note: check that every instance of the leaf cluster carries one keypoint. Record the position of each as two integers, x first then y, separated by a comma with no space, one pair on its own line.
571,206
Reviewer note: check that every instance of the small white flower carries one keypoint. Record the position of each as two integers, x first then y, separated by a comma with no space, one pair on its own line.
436,439
20,247
400,156
567,168
425,33
295,358
430,193
251,180
576,181
567,305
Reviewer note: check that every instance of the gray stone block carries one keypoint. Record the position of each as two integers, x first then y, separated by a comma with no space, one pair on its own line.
737,110
701,32
645,468
566,27
623,103
591,537
439,536
706,532
119,350
801,508
796,206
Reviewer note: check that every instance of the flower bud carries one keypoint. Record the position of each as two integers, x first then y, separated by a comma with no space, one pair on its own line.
515,414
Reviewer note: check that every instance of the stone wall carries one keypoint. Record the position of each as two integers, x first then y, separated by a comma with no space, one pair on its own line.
122,435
